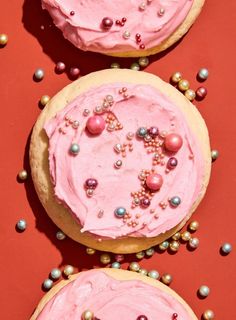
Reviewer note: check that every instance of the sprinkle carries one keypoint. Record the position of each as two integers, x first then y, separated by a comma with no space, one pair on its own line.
161,12
100,213
126,34
86,112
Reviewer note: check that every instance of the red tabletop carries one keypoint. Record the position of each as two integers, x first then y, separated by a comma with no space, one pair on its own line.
27,258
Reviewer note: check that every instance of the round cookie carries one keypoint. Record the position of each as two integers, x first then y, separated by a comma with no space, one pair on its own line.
148,26
103,290
108,232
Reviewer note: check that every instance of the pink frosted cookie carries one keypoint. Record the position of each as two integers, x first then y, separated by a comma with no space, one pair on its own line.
112,294
120,160
123,28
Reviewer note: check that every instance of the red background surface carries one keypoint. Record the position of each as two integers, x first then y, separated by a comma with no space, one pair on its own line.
27,258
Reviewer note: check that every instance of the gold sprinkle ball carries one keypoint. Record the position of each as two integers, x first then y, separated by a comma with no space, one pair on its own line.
90,251
23,175
105,258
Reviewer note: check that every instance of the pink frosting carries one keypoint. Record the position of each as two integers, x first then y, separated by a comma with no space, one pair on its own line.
144,107
111,299
84,30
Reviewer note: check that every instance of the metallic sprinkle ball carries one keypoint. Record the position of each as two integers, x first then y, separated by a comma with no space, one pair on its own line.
208,315
143,272
143,62
204,291
150,252
74,148
21,225
120,212
194,243
176,236
176,77
173,142
39,74
167,278
172,163
154,274
141,132
68,270
115,65
140,255
174,246
74,72
105,258
47,284
60,67
175,201
186,236
126,34
60,235
55,273
23,175
3,39
135,66
193,226
214,154
44,100
190,94
203,74
115,265
107,23
90,251
87,315
134,266
164,245
226,248
201,93
183,85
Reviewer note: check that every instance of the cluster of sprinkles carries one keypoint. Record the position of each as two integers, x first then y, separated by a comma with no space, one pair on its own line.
176,79
151,181
184,86
107,23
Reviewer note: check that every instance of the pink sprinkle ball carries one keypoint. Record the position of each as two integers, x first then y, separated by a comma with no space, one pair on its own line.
201,93
74,72
107,23
154,181
173,142
95,124
60,67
